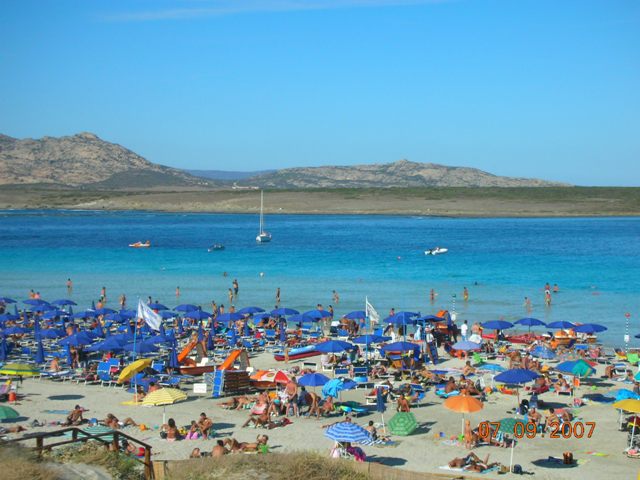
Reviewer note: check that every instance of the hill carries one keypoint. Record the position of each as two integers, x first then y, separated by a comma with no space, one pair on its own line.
225,175
83,159
400,174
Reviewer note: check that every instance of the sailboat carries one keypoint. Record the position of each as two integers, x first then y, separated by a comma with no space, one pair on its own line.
263,237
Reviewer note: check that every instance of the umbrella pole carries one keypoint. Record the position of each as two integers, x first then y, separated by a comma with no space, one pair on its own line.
384,428
164,414
513,444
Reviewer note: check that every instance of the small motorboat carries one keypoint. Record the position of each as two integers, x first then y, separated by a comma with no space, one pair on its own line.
146,244
215,247
297,353
436,251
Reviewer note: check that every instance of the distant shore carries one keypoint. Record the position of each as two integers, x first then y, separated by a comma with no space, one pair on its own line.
452,202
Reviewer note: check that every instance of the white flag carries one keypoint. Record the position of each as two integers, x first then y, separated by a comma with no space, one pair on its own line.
371,312
150,317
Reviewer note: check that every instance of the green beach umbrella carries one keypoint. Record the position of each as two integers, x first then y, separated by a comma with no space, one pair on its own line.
7,413
403,423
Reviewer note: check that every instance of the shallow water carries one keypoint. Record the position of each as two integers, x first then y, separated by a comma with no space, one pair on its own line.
595,262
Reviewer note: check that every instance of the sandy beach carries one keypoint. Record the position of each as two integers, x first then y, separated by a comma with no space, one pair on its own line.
424,451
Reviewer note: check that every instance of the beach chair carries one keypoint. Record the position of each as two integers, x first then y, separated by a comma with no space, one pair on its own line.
341,371
104,374
310,365
343,334
270,336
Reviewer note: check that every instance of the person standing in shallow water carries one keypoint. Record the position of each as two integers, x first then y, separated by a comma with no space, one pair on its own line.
277,296
69,286
465,294
177,292
236,287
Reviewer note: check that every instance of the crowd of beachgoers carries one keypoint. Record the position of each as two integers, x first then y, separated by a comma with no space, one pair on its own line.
369,382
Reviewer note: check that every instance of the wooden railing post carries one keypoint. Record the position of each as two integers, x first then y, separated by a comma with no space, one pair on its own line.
116,442
39,445
74,434
148,468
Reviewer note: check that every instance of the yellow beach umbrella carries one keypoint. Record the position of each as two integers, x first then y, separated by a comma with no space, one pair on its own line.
19,369
164,396
133,368
628,405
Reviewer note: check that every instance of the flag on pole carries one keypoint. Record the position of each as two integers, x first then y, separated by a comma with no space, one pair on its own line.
150,317
371,312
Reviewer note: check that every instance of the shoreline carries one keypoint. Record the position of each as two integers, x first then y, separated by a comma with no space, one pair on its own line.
574,202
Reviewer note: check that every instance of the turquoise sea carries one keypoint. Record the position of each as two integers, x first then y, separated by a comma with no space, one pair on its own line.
595,262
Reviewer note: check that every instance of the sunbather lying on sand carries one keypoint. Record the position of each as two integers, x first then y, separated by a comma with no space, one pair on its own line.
472,463
112,422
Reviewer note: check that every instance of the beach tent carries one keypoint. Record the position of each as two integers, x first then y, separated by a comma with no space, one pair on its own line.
8,413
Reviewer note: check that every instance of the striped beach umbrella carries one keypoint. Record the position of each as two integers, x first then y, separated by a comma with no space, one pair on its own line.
348,432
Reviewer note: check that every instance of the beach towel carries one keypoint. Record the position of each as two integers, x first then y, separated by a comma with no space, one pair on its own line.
441,393
450,469
57,412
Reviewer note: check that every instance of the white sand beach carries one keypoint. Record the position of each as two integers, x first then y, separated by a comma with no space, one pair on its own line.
425,450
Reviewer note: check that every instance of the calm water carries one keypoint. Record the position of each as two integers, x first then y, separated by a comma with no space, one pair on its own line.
595,262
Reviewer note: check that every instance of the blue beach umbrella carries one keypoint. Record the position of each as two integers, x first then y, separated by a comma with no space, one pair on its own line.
491,367
98,331
261,316
181,327
590,328
4,350
561,325
111,344
200,332
69,356
40,353
198,315
186,307
317,314
167,314
9,316
402,318
15,331
497,325
229,317
334,346
284,311
348,432
128,313
76,340
333,387
313,380
173,356
283,332
210,345
356,315
250,310
246,332
93,305
104,311
63,301
140,347
465,345
516,376
50,333
7,300
54,313
400,347
531,322
302,318
232,335
35,302
116,317
15,309
543,352
158,306
625,394
369,339
86,314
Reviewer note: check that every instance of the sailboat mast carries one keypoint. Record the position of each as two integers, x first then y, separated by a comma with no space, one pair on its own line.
261,206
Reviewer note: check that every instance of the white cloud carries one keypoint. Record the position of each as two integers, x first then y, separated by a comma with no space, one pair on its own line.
211,8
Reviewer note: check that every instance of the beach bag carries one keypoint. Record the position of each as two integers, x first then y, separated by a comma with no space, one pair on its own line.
517,469
163,435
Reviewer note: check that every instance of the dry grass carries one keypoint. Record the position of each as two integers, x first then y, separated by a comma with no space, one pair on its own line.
19,463
292,466
120,466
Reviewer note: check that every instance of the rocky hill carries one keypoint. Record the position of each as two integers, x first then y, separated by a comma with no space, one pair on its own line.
399,174
83,160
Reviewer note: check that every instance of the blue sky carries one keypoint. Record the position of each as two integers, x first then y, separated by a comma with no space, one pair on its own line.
546,89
